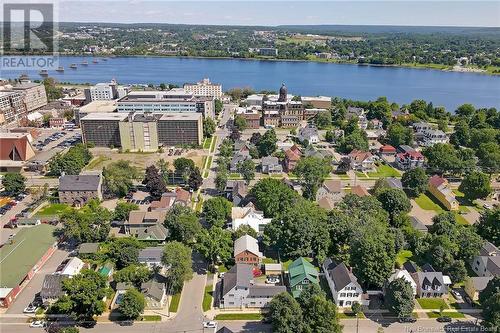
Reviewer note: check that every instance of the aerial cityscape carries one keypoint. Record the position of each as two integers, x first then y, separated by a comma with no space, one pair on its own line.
167,176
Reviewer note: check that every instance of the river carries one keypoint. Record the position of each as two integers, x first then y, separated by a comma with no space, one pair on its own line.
401,85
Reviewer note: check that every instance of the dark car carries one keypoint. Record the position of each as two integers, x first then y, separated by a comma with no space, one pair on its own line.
444,319
407,320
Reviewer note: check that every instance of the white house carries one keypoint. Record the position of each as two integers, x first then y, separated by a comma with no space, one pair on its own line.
151,256
73,267
404,274
308,133
343,284
248,215
431,137
487,263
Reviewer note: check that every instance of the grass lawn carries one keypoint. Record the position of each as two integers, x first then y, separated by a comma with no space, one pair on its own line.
461,219
235,176
239,316
174,303
432,303
207,298
53,209
207,143
384,171
209,162
343,175
426,203
360,174
212,145
222,269
435,314
150,318
350,315
403,256
97,162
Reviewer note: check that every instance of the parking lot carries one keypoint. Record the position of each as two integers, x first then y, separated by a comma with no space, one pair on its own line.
60,138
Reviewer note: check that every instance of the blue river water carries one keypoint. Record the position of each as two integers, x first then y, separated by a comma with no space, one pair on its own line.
400,85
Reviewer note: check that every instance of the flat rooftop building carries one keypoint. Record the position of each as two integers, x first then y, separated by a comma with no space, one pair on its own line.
95,107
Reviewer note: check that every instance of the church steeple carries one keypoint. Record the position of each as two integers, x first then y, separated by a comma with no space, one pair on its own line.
283,93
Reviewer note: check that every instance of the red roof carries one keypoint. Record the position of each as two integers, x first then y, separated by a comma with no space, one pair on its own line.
436,181
414,155
15,148
182,195
293,154
359,156
359,191
387,149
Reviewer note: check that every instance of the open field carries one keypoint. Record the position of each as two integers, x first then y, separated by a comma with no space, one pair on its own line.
53,209
384,171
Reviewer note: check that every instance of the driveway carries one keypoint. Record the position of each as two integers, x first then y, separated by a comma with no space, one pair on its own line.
423,215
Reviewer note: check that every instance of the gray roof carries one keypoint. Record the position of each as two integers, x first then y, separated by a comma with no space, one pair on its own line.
150,254
239,275
410,267
123,286
238,158
270,160
341,276
431,279
488,248
155,232
394,183
493,265
52,286
86,248
265,291
480,282
79,183
417,224
153,289
246,243
224,330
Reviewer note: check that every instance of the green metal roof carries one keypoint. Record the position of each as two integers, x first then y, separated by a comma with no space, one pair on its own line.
302,269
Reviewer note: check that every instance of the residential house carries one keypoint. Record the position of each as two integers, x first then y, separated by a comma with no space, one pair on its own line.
431,137
52,288
474,285
273,269
387,150
309,134
146,225
237,160
237,191
72,267
88,248
239,290
440,189
241,147
487,263
410,159
362,160
343,284
330,192
167,200
271,165
151,256
246,251
155,294
248,215
78,190
360,191
418,225
251,115
292,157
405,275
422,127
359,114
430,284
301,273
394,183
182,197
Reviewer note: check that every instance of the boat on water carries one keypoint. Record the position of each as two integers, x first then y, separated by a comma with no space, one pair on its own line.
60,69
104,59
43,72
73,66
95,61
85,63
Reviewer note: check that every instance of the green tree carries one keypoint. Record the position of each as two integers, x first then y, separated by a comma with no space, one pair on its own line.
247,170
87,224
465,110
134,274
217,211
415,181
132,304
209,127
491,289
118,177
394,201
244,229
240,122
183,224
226,148
475,185
399,298
461,134
488,226
272,196
84,294
14,182
312,171
216,245
218,106
355,140
123,209
442,158
320,315
70,163
267,143
195,179
177,256
155,184
398,134
491,312
301,230
489,157
53,92
124,251
221,180
324,120
285,314
183,165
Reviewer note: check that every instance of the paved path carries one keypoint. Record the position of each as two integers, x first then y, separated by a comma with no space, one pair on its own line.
423,215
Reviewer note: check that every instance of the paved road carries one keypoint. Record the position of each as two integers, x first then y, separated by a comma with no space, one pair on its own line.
35,285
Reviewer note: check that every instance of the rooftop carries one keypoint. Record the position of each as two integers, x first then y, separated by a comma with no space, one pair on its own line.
105,116
18,257
79,182
98,107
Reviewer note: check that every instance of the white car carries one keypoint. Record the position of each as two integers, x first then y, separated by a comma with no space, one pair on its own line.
38,324
30,309
210,324
272,280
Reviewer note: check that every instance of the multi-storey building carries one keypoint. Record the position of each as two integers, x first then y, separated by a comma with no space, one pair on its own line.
251,116
105,92
142,131
12,107
172,101
34,95
283,112
204,88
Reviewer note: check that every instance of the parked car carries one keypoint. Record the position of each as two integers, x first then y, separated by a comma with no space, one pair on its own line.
31,308
210,324
407,320
457,295
38,324
444,319
272,280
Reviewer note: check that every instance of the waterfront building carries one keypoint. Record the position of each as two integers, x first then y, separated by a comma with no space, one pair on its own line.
204,88
105,92
283,112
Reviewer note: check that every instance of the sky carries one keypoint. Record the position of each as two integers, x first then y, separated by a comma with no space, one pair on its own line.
270,13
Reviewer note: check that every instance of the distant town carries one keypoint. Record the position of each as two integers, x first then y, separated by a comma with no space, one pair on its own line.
197,209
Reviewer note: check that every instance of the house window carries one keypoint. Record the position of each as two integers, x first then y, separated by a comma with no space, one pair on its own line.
231,303
231,295
349,294
355,295
342,294
348,303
